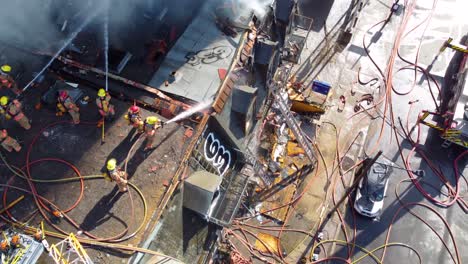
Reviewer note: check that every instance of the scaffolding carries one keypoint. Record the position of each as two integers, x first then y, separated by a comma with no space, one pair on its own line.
69,251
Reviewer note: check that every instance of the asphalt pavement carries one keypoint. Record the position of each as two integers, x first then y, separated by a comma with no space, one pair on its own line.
407,228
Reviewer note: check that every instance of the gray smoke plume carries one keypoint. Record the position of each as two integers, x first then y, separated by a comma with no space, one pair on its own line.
27,23
45,25
258,7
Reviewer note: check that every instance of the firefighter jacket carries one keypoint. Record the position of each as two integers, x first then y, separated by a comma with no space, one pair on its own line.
12,110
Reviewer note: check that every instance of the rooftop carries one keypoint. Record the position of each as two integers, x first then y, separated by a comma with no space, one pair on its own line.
200,52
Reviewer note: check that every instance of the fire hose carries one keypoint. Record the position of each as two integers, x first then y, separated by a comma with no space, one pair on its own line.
44,205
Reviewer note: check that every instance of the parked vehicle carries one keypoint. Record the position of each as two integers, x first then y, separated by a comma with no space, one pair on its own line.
371,190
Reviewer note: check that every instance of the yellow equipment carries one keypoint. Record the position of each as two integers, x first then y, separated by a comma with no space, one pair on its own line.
6,68
458,47
111,164
4,100
448,134
18,257
68,251
101,92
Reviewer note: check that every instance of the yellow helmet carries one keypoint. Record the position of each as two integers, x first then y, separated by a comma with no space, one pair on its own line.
111,164
4,100
6,68
151,120
101,92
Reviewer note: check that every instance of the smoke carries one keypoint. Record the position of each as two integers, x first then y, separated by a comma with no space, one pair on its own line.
45,24
259,7
22,22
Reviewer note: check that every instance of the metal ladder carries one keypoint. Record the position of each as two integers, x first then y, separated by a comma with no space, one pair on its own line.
294,126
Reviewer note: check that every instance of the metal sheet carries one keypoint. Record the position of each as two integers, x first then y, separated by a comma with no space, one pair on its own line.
199,190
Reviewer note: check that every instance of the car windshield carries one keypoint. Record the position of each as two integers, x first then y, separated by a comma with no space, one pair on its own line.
378,195
375,181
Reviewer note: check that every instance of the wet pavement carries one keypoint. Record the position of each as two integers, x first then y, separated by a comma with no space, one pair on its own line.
406,228
102,210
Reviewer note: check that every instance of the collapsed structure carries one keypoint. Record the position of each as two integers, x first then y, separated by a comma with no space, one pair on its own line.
245,151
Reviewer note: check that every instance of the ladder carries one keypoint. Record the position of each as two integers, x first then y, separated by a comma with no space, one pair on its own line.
294,126
69,251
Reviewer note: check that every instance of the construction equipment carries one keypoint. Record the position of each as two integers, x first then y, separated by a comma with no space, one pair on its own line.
453,124
314,102
281,101
19,248
294,126
455,46
453,129
69,251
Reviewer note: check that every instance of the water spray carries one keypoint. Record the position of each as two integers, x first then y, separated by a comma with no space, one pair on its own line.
67,42
192,110
106,47
106,64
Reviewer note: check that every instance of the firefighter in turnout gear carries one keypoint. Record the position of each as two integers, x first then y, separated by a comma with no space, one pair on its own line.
116,174
66,104
8,142
149,127
12,109
106,109
134,118
6,81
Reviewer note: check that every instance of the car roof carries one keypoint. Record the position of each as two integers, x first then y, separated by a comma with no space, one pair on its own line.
376,177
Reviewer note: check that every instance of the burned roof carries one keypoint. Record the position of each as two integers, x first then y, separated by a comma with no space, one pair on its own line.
200,52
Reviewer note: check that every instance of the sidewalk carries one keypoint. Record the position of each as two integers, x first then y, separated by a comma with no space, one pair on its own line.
356,61
322,60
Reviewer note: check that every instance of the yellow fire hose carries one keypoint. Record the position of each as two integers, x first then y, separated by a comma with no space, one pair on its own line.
103,136
12,204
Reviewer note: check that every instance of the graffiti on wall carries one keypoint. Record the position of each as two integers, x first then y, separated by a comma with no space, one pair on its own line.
208,56
217,154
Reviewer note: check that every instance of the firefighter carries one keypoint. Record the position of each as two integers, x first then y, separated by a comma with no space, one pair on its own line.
12,109
116,174
39,235
8,142
15,241
134,118
4,246
106,110
149,127
66,104
6,81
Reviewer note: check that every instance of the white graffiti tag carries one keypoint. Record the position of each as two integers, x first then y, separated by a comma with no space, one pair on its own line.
217,154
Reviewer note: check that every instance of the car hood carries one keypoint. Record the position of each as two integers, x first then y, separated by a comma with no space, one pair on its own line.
364,203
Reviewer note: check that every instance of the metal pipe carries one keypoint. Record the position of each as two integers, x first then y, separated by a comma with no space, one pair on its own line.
141,86
12,204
